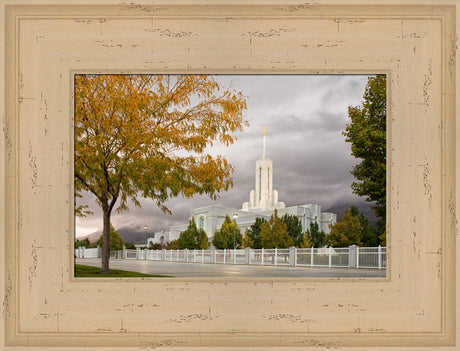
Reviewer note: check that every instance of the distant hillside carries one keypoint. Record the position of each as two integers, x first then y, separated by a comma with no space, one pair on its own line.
365,208
132,235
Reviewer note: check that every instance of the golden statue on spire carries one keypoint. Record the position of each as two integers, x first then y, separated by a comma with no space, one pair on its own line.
264,130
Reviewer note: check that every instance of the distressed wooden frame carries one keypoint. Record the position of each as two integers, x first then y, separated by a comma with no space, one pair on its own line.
45,43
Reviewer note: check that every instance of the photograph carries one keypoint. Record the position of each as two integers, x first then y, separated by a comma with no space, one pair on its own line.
230,175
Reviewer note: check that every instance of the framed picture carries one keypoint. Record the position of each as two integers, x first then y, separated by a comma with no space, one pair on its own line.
413,43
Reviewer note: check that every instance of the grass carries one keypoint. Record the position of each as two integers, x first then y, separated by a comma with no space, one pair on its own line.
82,271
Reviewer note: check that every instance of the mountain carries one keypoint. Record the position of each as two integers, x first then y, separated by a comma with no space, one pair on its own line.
132,235
363,207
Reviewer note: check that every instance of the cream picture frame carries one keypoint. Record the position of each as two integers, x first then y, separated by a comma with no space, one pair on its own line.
46,42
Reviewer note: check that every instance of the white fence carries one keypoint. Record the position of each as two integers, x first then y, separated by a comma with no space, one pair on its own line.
353,256
83,252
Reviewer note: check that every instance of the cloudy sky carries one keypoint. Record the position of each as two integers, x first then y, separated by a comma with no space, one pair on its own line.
305,116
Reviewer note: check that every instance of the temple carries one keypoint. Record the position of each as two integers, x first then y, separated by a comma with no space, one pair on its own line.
263,200
264,197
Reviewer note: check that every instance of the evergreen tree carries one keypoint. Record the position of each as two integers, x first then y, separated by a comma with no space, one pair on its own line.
223,238
314,236
274,234
369,236
294,228
253,233
115,241
192,238
345,232
367,135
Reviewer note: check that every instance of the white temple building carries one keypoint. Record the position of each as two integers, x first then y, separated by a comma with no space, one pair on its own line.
263,200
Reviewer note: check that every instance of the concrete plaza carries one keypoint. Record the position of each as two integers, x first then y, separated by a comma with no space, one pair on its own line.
199,270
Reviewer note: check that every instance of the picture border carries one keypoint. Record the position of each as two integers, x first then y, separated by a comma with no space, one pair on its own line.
25,283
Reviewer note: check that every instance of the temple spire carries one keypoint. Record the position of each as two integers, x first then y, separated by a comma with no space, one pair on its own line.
263,152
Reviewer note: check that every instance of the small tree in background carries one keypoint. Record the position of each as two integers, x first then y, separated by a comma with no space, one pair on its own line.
172,245
345,232
247,241
223,238
313,236
156,246
115,243
369,236
130,246
383,238
274,233
193,238
306,243
294,228
84,242
253,233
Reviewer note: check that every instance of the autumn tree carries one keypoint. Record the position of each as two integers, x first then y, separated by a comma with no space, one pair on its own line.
367,134
253,233
247,241
173,245
146,135
294,228
223,237
193,238
306,243
274,233
345,232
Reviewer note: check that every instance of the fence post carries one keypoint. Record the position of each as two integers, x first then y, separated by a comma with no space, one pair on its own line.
213,256
293,256
234,256
247,255
138,253
312,250
262,258
330,256
275,259
202,255
352,256
380,257
225,256
186,255
357,256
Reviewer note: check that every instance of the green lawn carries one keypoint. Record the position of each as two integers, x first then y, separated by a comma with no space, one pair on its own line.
82,271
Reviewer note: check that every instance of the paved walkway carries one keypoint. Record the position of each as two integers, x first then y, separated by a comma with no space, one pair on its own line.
194,270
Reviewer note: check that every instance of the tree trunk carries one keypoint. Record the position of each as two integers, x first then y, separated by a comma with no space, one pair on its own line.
106,239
